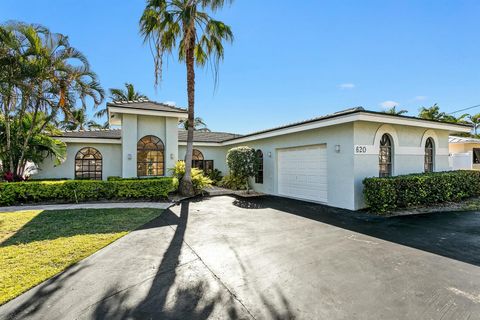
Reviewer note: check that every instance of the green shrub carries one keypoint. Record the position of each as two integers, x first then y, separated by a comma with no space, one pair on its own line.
232,182
85,190
117,178
387,194
243,163
114,178
216,176
199,179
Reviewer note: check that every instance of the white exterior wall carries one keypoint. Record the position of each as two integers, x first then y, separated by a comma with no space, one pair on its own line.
467,150
216,153
129,145
135,127
339,165
111,162
408,151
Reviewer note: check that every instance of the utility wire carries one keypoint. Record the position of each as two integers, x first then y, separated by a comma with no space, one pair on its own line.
478,105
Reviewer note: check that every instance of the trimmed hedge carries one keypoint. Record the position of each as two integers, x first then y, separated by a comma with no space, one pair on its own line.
85,190
387,194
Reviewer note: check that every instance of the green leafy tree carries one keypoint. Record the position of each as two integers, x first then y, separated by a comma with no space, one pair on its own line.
186,26
127,94
79,121
431,113
243,163
43,76
393,110
41,144
434,113
198,124
475,121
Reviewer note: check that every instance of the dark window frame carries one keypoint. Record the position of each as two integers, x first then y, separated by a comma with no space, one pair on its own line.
429,155
259,175
199,162
86,164
476,155
150,144
385,156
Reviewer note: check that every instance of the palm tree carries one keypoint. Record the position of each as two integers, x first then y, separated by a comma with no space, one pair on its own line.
451,118
79,121
185,25
393,110
127,94
198,124
41,76
432,113
475,121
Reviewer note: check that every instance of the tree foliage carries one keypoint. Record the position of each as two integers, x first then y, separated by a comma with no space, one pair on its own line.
393,110
434,113
187,27
243,163
198,124
118,94
42,77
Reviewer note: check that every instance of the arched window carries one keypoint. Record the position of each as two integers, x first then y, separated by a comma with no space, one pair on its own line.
259,175
429,154
197,160
385,156
88,164
150,157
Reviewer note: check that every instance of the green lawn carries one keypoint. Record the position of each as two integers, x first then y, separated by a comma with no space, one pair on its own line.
36,245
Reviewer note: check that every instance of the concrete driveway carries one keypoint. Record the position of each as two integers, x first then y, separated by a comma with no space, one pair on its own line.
272,258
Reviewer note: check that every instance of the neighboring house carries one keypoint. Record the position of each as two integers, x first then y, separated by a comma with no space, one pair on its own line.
464,153
323,159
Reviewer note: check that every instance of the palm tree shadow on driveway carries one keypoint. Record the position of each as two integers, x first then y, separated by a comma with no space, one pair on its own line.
174,296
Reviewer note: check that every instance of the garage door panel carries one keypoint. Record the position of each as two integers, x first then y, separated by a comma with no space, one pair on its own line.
302,173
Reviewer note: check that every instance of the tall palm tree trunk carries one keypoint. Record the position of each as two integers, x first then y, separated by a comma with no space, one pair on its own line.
186,185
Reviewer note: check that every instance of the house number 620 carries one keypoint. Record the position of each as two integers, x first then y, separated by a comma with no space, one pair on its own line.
360,149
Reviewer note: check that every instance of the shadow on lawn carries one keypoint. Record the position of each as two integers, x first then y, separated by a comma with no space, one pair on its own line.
455,235
50,225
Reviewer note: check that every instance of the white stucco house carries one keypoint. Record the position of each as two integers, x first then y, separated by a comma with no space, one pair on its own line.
322,160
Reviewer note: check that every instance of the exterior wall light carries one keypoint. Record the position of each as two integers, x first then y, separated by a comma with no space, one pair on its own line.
171,156
337,148
129,156
269,154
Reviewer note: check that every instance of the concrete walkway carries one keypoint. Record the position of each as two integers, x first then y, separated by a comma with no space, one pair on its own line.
98,205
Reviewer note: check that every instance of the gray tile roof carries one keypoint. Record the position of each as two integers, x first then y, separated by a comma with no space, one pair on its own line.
205,136
145,104
198,136
98,134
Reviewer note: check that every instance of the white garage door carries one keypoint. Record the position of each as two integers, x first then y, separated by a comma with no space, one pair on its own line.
302,173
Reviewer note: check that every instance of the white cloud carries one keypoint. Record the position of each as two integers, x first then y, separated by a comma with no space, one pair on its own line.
171,103
420,98
389,104
346,86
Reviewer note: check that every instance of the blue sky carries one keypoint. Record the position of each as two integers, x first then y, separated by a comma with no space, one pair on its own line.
289,62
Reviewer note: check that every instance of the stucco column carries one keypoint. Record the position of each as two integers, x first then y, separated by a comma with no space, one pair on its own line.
129,145
171,143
